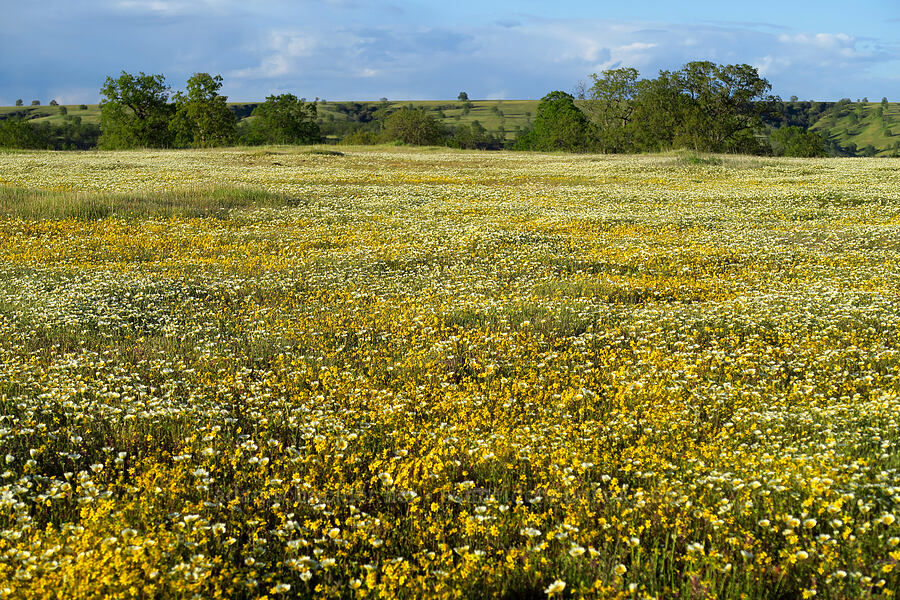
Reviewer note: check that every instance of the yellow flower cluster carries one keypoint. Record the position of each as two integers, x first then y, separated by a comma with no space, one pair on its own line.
406,374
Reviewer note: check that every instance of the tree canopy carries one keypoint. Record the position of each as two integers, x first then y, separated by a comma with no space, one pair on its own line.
202,118
559,125
702,106
413,126
134,112
796,141
284,119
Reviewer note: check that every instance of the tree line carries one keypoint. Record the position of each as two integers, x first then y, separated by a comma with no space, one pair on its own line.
140,111
703,106
136,112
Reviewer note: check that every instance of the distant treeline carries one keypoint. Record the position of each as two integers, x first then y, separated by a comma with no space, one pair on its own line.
16,132
702,106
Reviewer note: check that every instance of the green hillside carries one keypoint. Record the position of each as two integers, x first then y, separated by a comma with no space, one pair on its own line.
871,126
53,114
496,116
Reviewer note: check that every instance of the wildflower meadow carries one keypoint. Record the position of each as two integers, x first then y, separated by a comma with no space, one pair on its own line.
410,373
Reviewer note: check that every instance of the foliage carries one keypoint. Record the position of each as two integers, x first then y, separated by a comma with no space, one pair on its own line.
284,119
796,141
135,112
703,106
73,135
18,133
474,136
559,125
202,118
414,127
612,103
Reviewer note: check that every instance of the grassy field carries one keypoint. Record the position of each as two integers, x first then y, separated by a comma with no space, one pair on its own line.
404,373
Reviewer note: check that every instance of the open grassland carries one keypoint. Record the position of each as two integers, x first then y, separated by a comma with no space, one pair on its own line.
412,373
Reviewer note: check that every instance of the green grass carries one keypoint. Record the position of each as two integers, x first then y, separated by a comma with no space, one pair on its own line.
870,130
31,204
50,114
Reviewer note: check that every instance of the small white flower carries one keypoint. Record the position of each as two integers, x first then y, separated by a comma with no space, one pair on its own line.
555,587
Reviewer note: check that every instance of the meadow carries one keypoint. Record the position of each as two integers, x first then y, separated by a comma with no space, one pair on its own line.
407,373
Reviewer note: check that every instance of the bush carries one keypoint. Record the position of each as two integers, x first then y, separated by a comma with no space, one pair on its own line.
413,126
284,119
798,142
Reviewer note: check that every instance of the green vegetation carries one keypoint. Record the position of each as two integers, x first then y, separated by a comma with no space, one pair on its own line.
202,118
135,112
559,126
866,128
796,141
413,126
283,119
702,107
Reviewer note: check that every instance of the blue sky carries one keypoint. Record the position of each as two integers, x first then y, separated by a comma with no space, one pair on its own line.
417,49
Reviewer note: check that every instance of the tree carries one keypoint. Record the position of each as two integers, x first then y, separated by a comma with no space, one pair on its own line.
559,125
474,136
725,104
284,119
19,102
35,102
413,126
796,141
54,103
610,103
463,97
17,133
202,118
134,112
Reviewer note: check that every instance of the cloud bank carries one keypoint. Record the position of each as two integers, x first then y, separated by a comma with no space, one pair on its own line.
342,49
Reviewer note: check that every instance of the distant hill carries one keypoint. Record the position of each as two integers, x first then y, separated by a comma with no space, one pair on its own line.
52,114
871,128
505,117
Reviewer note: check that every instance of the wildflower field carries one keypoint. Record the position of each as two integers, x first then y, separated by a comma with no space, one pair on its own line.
405,374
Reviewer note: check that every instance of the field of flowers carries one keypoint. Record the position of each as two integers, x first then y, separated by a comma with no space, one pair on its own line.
405,374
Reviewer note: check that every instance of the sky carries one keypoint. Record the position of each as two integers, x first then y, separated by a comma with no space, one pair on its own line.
421,50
